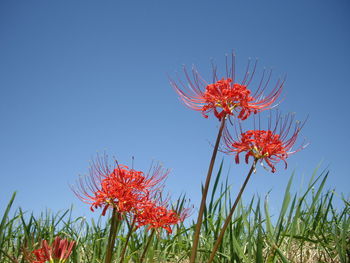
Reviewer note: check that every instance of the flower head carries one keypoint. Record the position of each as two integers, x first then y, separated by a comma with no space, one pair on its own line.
157,215
59,252
271,145
38,256
118,187
224,96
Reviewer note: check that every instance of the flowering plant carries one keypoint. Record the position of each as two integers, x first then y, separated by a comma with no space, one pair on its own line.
131,195
58,252
227,97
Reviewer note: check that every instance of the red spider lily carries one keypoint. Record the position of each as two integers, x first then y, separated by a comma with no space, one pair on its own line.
120,187
157,216
59,252
224,96
271,145
39,255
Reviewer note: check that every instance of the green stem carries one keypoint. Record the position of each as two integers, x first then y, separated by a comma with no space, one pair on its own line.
127,239
228,219
115,220
147,246
204,194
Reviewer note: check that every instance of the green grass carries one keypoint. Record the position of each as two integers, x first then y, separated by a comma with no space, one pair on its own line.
308,228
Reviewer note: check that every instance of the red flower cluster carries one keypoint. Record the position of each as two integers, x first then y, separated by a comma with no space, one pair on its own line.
59,252
122,188
269,145
129,192
157,216
224,96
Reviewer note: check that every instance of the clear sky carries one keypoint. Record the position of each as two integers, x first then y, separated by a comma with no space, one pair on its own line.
80,77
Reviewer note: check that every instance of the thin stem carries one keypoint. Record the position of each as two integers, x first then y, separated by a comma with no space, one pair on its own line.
147,246
228,219
127,239
115,220
204,194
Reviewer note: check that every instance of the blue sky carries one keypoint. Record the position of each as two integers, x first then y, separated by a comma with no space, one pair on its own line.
80,77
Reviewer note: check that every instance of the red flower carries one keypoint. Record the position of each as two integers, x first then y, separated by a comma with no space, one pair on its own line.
40,256
60,250
120,187
157,216
225,96
271,146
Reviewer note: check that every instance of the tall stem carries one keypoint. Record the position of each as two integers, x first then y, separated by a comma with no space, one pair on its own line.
147,246
127,239
228,219
204,194
115,220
